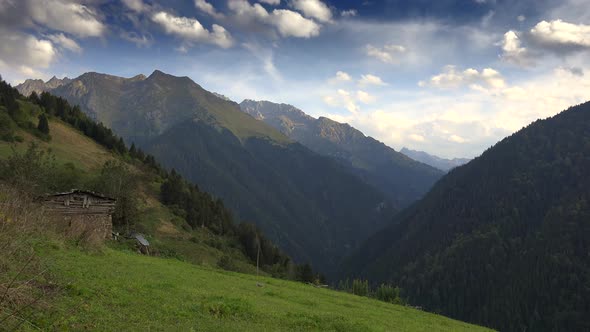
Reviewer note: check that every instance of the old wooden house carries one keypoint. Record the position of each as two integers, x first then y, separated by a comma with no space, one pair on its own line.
82,213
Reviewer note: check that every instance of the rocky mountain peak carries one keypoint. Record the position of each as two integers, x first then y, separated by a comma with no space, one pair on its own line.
139,77
38,86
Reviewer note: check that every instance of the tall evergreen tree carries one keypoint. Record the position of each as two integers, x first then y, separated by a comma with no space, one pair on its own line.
43,125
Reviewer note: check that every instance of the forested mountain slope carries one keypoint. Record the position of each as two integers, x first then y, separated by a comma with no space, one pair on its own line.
402,179
503,241
315,209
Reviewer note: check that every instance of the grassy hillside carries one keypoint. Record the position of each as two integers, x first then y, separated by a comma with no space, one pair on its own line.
164,229
116,290
68,146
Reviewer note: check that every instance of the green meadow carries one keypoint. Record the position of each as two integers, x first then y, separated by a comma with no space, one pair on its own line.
113,290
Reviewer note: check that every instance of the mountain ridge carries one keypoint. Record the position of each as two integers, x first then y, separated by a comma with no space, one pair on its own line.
402,179
38,86
443,164
314,208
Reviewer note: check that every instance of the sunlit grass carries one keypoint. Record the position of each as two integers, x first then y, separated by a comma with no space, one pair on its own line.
117,290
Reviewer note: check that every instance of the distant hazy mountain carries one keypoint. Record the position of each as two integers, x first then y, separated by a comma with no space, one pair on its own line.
434,161
401,178
39,86
504,240
314,208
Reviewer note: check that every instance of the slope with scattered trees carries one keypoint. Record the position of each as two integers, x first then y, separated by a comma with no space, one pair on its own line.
140,185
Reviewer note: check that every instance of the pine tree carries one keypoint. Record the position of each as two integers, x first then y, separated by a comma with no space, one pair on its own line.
43,125
132,151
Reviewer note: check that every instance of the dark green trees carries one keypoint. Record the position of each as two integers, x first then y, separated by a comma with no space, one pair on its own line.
43,125
6,127
504,240
202,210
117,181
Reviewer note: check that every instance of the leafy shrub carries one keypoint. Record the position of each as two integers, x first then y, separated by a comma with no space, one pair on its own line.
32,171
226,263
360,287
388,293
7,127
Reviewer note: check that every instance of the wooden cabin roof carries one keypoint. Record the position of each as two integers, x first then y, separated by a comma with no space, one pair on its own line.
140,238
85,192
79,202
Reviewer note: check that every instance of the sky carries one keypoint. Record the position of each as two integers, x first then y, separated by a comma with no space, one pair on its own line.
449,77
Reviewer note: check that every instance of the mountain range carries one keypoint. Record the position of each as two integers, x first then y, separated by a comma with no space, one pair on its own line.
38,86
401,178
504,240
434,161
310,205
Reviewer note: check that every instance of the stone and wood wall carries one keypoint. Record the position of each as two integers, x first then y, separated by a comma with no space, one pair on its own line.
82,213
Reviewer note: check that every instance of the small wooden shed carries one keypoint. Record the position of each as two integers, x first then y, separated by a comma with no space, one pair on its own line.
142,244
82,212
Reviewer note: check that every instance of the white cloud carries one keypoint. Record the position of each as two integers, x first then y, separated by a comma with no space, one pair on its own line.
29,72
463,127
450,78
417,137
349,100
314,9
65,42
288,23
135,5
207,8
341,77
342,98
456,139
292,24
365,97
560,33
266,56
191,30
67,16
271,2
244,10
546,38
387,54
349,13
512,50
18,49
371,80
521,18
